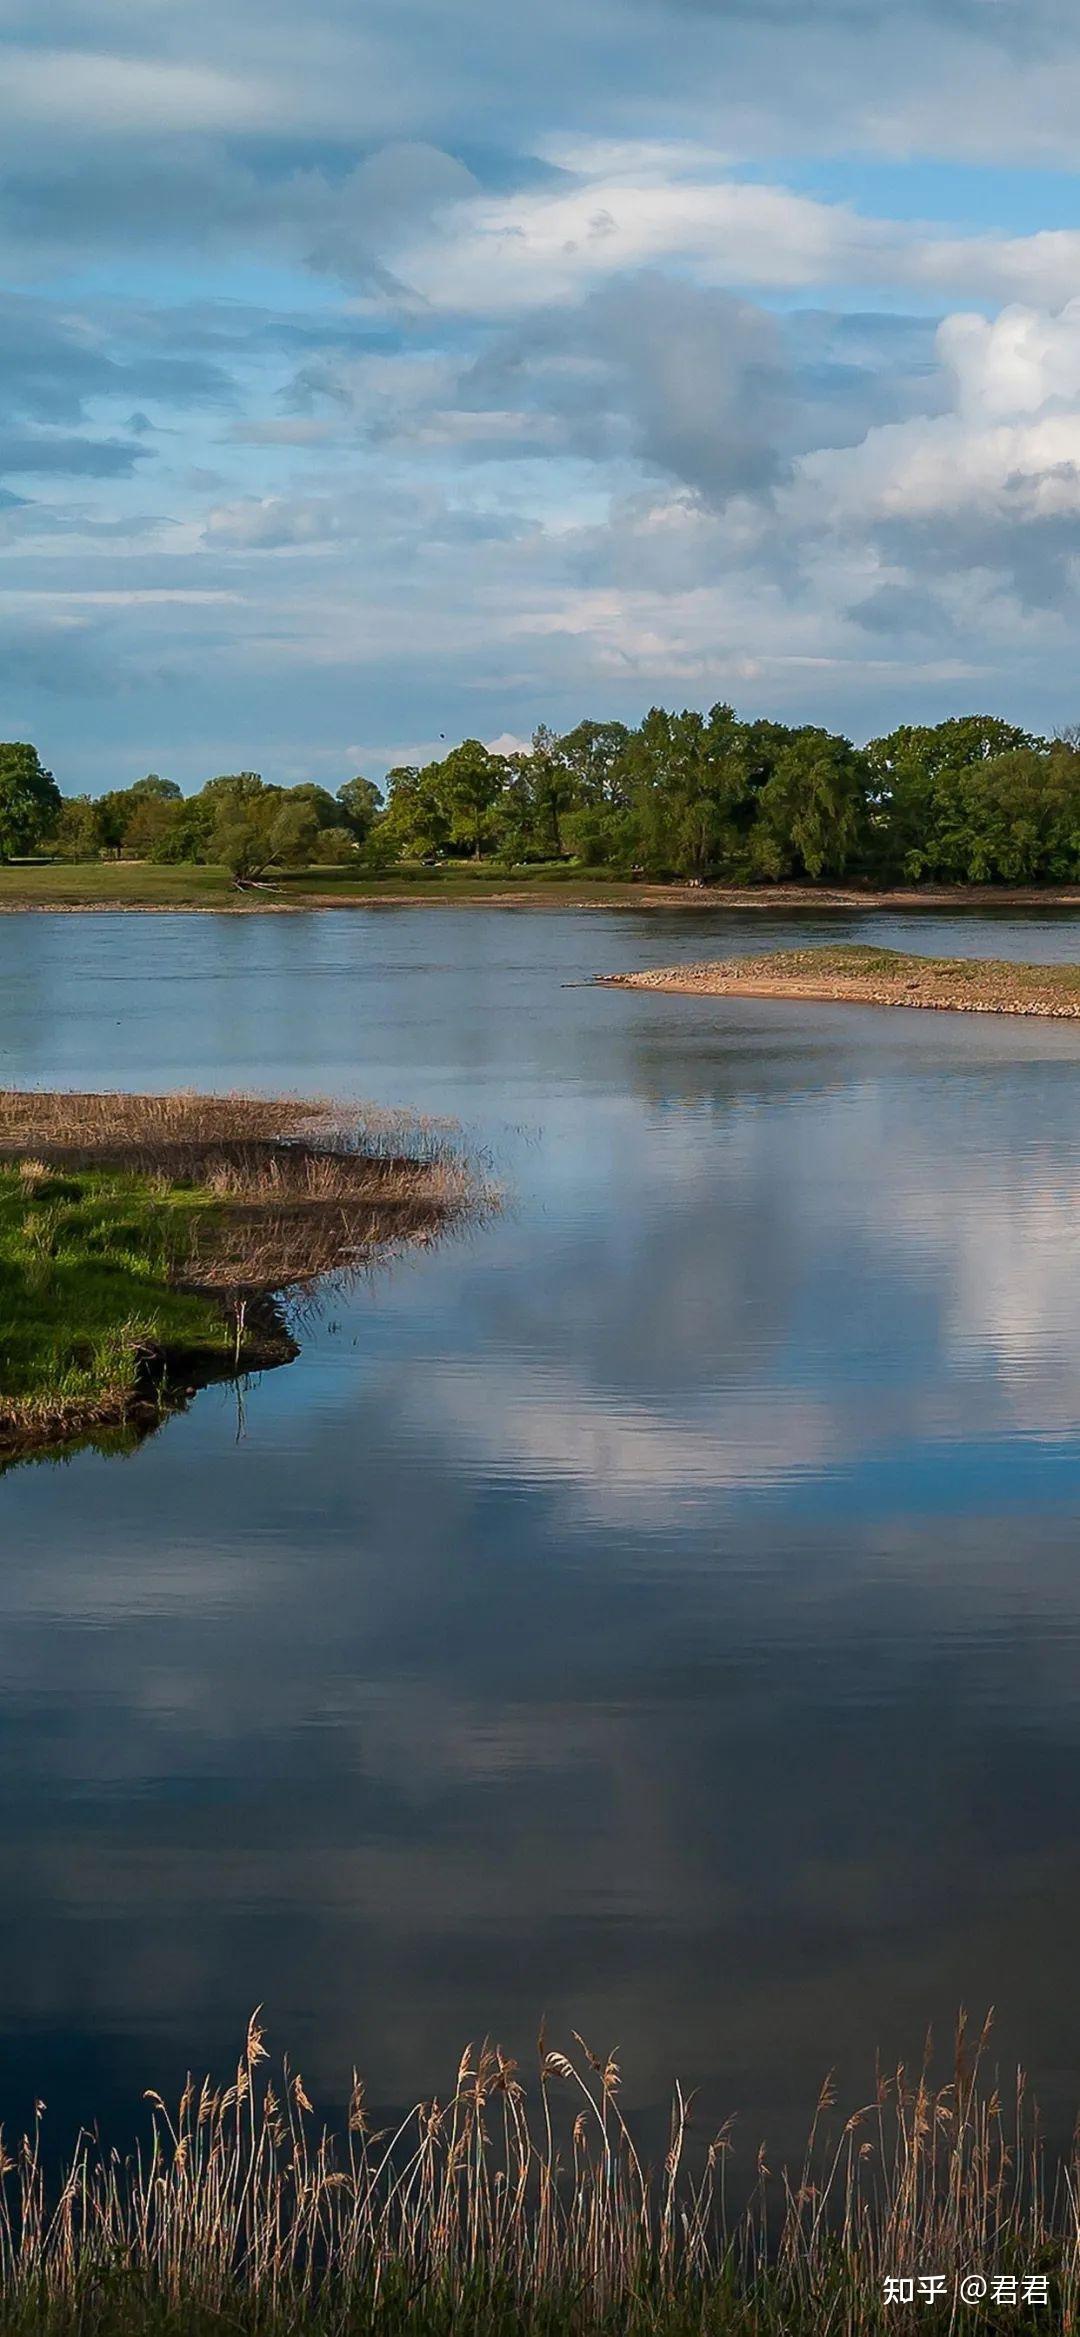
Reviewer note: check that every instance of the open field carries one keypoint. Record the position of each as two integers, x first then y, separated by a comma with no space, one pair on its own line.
143,885
509,2207
861,975
143,1237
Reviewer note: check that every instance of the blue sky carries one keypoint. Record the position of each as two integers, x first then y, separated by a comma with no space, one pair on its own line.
384,369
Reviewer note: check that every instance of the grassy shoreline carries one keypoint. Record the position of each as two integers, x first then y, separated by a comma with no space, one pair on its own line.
149,889
858,974
146,1240
515,2207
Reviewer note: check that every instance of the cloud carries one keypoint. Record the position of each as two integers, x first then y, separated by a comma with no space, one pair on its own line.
53,88
570,344
42,452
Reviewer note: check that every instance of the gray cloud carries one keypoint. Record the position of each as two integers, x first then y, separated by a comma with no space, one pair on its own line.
44,453
691,381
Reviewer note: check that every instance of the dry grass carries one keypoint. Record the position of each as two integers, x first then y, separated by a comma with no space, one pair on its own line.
302,1187
491,2211
146,1240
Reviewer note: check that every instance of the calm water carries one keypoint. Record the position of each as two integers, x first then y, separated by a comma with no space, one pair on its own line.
660,1607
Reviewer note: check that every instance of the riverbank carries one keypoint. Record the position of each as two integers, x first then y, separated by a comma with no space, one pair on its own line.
510,2208
145,888
865,976
146,1240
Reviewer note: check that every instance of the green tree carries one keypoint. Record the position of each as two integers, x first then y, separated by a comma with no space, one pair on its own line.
318,799
361,802
77,832
416,824
252,836
812,810
150,824
594,754
469,782
336,848
926,784
161,790
688,779
187,837
30,799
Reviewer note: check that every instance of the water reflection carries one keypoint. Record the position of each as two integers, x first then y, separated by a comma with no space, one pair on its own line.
660,1608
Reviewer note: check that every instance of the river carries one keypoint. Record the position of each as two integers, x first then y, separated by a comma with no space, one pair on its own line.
658,1607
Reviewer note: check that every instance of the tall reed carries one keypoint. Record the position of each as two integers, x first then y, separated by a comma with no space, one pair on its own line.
496,2210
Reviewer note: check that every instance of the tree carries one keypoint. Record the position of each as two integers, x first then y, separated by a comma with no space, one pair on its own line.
550,789
151,822
77,832
318,799
251,837
361,802
30,799
813,809
594,753
160,790
688,777
187,837
416,824
926,779
469,781
336,847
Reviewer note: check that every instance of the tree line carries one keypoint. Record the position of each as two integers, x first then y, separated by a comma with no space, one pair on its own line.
698,797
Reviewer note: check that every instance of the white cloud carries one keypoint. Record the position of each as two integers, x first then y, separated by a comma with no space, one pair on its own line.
1015,363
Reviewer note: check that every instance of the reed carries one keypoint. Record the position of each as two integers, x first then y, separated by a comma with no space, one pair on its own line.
145,1240
498,2209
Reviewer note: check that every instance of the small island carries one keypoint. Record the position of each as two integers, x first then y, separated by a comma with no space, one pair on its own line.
856,974
146,1242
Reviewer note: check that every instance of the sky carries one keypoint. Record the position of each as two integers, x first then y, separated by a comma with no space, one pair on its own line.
378,372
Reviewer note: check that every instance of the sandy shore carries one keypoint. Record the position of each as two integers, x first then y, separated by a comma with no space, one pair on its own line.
854,976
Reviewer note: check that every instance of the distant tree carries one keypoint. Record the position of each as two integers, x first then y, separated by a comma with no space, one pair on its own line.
928,784
77,832
187,836
252,837
234,787
336,848
538,788
30,800
468,783
417,823
812,810
687,780
162,790
594,753
150,823
360,801
318,800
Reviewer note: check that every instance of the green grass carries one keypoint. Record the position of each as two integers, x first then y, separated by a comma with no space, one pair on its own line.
142,884
85,1290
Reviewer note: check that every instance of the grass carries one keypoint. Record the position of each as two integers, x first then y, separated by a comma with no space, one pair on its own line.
141,1238
142,884
131,884
88,1267
881,977
505,2209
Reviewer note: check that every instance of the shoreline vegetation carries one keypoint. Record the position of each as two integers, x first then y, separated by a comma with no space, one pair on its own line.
526,2207
144,888
147,1242
858,974
684,798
